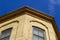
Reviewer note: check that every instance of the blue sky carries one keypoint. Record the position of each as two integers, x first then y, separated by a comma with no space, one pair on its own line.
50,7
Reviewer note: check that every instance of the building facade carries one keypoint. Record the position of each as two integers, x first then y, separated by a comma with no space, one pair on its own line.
28,24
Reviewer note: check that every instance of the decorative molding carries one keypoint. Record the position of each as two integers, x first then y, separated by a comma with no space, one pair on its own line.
9,23
39,23
22,11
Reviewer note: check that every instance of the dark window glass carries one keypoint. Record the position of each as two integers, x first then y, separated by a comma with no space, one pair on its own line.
5,35
38,34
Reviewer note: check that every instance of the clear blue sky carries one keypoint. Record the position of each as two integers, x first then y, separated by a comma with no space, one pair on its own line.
50,7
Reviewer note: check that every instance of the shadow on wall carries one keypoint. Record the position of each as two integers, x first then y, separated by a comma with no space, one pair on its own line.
59,35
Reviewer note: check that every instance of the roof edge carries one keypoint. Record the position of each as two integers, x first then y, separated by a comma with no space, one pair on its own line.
26,9
32,11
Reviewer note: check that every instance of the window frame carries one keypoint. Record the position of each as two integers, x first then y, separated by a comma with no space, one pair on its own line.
44,38
11,24
6,30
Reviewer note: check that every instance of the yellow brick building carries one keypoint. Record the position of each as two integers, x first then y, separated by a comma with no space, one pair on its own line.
28,24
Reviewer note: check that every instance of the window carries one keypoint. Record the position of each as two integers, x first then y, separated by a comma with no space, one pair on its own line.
5,35
38,34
